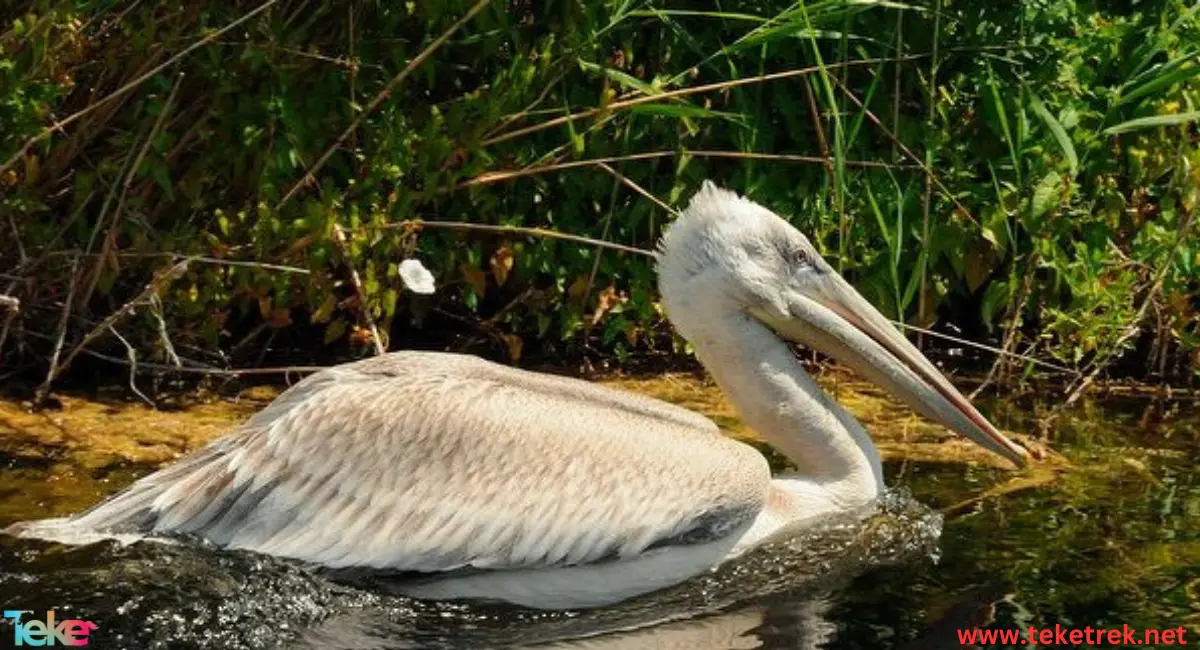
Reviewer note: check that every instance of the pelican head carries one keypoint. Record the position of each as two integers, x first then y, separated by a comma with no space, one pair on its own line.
729,263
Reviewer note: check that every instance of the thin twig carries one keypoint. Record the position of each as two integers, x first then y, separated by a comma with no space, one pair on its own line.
310,175
156,308
266,266
591,281
998,351
637,188
353,68
899,69
13,307
509,119
927,195
822,143
419,224
345,63
131,354
1011,330
682,92
488,178
339,238
908,152
785,157
17,239
102,218
199,259
57,126
64,318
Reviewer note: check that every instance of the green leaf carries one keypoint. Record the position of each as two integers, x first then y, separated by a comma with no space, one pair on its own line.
685,111
994,223
389,302
334,331
788,32
622,79
997,104
1046,195
994,298
883,227
325,311
1153,121
1057,130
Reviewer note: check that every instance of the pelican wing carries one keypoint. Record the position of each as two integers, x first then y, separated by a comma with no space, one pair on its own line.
431,462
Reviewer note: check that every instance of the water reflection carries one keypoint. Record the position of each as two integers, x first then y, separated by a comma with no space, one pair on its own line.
976,611
794,624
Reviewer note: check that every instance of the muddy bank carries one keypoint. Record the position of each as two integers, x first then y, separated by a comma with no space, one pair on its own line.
92,445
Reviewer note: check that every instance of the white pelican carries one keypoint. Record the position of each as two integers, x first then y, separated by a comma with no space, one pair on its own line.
502,484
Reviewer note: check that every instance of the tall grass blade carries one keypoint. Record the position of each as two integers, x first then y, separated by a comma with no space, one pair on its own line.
997,103
1167,75
1057,130
722,15
1151,122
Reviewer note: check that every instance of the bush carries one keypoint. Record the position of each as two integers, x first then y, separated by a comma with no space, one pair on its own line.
1061,137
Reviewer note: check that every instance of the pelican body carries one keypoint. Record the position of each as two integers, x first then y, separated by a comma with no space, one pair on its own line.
490,482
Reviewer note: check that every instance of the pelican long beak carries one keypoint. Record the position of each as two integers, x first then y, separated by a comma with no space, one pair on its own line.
833,318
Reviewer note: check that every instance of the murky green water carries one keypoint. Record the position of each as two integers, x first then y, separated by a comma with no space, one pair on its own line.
1114,540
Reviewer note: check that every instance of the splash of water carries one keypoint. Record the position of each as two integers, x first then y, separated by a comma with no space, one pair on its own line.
149,595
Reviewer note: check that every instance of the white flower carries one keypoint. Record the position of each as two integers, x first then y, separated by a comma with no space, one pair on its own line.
416,277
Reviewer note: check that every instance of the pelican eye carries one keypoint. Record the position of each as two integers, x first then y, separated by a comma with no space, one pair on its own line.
798,258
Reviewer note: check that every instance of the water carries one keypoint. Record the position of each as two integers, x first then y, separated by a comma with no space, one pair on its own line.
1105,536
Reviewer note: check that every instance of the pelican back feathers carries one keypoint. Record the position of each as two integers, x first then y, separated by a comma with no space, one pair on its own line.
433,462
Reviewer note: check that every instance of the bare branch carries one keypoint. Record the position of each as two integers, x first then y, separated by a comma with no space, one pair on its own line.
785,157
488,178
981,346
418,224
156,308
637,188
152,288
199,259
63,321
133,367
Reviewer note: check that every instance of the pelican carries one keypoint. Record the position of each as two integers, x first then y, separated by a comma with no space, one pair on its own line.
482,481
